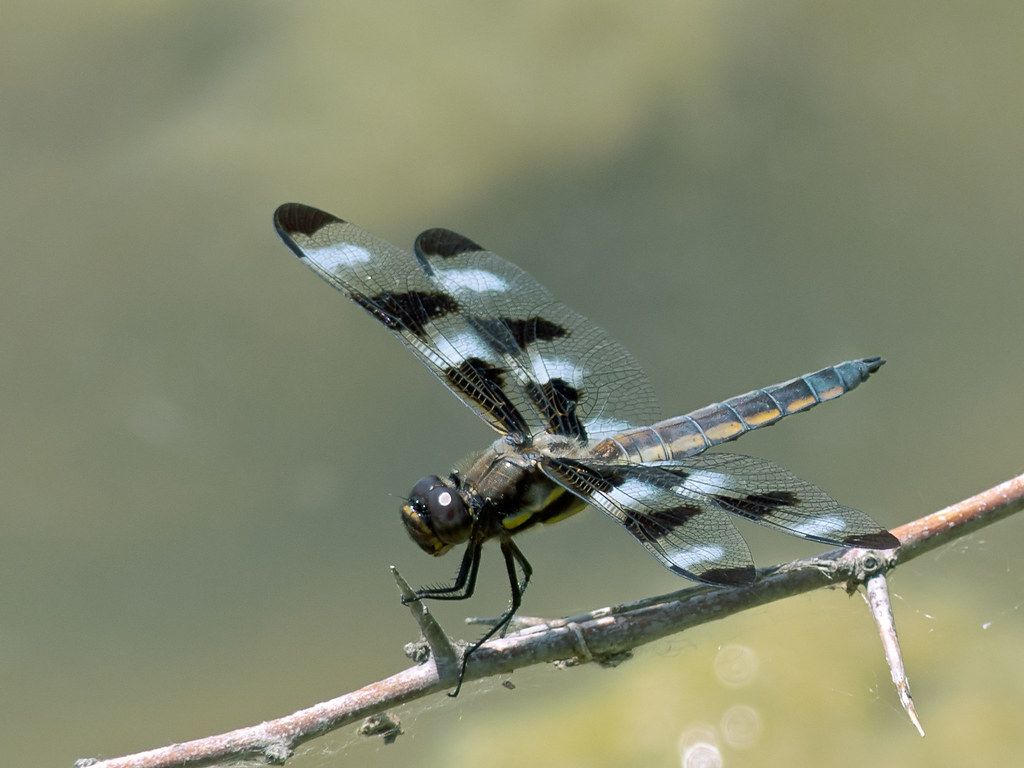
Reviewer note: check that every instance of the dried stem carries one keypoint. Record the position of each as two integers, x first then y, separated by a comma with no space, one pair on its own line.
606,635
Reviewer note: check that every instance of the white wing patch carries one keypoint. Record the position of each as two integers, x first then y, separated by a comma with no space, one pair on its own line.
632,490
566,370
819,526
339,257
457,348
707,553
706,483
477,280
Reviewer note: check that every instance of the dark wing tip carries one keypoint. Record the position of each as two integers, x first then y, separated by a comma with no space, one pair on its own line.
726,577
444,243
298,219
878,540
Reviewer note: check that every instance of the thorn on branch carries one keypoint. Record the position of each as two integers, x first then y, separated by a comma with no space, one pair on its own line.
878,601
441,648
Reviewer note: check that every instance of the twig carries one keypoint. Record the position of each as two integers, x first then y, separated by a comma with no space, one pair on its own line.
441,649
878,601
603,635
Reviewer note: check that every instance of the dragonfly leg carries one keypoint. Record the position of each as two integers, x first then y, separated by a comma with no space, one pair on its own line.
512,555
465,579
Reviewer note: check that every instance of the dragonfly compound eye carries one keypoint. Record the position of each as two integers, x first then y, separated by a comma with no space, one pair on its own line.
436,516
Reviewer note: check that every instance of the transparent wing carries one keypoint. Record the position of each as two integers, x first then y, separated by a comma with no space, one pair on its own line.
388,283
687,535
765,493
577,381
680,511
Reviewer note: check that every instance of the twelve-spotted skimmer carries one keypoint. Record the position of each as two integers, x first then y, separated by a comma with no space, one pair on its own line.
576,416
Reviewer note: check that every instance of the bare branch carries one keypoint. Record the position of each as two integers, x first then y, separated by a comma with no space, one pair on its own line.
958,520
605,635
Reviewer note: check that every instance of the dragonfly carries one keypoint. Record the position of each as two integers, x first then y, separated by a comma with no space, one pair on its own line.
577,420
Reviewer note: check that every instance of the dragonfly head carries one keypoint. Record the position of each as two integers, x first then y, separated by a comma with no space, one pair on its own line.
436,516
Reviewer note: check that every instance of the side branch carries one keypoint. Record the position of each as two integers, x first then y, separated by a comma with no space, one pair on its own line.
606,635
958,520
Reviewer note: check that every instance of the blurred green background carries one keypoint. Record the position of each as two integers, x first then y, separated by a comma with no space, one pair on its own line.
204,447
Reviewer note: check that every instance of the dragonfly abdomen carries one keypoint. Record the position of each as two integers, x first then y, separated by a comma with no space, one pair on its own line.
683,436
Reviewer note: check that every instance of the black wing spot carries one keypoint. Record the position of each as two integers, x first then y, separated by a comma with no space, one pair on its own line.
654,525
756,505
532,329
727,577
557,400
296,219
483,383
877,540
444,243
658,522
654,530
511,336
410,311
